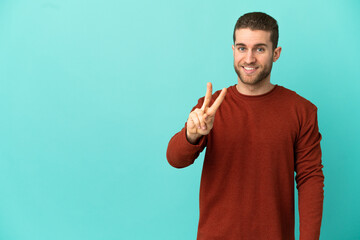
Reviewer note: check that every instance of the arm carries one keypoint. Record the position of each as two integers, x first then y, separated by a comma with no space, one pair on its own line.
309,178
186,145
180,152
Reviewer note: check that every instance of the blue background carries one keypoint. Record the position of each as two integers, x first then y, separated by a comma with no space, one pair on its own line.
92,91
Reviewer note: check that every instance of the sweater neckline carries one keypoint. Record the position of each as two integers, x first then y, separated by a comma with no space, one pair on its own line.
239,95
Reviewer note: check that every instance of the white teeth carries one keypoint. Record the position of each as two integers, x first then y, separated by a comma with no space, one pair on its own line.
249,68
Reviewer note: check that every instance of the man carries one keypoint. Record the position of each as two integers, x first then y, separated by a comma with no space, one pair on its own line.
256,135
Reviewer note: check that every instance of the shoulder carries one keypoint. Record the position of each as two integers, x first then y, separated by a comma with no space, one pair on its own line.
300,108
294,100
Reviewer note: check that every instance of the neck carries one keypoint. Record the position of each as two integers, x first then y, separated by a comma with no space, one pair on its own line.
257,89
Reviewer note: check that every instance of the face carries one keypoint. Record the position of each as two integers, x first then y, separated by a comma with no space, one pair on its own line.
253,56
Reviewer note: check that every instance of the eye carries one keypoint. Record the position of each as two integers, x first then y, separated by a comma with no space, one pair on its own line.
241,49
261,49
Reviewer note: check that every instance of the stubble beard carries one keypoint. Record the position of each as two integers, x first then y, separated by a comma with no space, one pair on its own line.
253,79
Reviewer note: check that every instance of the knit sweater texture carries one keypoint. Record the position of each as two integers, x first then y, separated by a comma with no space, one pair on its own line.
256,146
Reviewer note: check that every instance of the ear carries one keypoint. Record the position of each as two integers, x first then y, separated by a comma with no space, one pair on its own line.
276,54
233,48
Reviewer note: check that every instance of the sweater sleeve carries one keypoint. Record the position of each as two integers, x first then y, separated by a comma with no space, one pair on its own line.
180,152
309,178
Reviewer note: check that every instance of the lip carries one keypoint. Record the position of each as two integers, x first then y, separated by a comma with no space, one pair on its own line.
249,71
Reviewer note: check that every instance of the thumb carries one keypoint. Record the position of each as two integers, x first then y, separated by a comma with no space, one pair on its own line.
207,118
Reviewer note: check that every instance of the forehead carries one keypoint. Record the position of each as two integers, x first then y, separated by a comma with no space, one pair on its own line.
250,37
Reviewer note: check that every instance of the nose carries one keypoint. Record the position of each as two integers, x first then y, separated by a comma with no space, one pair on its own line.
249,58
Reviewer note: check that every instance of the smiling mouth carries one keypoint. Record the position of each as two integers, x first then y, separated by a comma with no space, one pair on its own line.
249,69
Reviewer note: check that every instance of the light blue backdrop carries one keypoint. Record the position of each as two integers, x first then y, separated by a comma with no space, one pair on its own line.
92,91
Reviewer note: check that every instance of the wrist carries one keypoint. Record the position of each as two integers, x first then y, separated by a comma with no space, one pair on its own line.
193,138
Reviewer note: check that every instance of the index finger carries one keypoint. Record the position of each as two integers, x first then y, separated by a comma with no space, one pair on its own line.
207,96
218,101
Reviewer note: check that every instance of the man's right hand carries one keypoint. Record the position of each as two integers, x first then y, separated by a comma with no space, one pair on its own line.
200,121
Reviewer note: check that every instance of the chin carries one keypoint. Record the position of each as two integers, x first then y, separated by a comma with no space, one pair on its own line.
254,81
251,83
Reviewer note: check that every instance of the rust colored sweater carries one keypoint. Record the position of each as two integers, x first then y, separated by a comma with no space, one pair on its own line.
252,152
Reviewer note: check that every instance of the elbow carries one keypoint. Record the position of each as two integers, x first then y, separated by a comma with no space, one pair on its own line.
311,179
176,161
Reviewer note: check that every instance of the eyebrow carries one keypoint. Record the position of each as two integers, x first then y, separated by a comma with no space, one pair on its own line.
256,45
